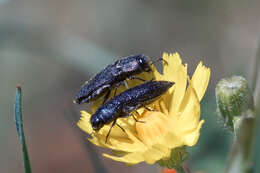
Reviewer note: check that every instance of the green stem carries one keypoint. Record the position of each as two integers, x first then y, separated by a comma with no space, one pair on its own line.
19,127
240,160
255,68
180,169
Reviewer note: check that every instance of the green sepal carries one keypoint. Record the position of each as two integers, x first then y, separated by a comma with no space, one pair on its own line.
178,156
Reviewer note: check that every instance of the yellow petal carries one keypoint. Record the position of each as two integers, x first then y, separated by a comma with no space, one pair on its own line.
84,123
189,118
158,76
116,132
192,138
200,80
172,140
176,72
127,122
161,106
153,127
150,156
120,144
174,62
155,153
179,90
135,139
131,158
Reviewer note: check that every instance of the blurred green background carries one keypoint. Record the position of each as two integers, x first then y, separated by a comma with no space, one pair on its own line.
51,47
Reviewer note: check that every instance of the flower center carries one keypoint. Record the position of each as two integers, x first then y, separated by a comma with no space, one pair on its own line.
153,127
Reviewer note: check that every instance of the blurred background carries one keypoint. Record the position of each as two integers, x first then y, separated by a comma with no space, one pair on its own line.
51,47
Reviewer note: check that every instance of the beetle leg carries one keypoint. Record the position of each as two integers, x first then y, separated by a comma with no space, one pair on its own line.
115,90
137,113
137,119
129,108
120,127
106,96
114,122
118,85
126,85
134,117
134,77
147,108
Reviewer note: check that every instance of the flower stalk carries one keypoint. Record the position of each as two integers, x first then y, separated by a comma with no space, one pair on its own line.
180,169
240,156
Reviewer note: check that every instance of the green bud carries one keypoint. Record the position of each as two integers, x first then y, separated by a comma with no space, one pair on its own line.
178,156
234,98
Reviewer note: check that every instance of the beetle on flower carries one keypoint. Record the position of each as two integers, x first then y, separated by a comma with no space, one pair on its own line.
175,123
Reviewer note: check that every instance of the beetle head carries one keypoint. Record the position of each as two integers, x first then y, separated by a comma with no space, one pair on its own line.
81,99
83,95
96,123
143,61
101,117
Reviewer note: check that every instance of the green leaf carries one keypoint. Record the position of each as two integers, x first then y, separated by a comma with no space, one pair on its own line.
19,127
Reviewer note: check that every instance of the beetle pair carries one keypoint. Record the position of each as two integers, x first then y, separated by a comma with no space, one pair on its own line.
126,102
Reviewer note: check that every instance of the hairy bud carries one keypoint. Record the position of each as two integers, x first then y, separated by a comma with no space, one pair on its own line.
233,98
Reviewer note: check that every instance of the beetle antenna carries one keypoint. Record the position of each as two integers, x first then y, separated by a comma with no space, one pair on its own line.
159,59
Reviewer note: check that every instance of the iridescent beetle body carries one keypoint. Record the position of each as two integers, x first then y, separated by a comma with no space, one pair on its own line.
112,75
126,102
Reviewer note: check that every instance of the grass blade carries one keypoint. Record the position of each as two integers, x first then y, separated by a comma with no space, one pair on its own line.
19,127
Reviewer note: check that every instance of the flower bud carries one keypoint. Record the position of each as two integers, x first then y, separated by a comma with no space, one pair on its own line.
234,98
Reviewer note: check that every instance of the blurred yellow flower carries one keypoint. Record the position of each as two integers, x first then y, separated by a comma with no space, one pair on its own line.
174,123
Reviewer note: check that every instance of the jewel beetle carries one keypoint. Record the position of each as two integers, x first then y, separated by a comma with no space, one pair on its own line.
123,104
113,76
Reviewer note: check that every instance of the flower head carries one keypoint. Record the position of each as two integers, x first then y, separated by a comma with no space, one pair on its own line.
159,134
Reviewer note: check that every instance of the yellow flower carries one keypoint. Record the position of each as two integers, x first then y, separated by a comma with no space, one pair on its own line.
174,123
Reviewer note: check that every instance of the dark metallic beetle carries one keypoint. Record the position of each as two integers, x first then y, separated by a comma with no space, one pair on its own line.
126,102
113,75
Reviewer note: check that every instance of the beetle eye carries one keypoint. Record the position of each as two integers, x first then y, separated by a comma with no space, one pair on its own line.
140,61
